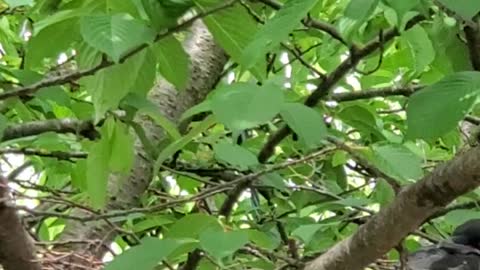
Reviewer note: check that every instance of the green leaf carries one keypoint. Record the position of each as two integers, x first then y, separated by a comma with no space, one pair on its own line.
97,167
192,226
172,61
421,47
147,107
306,122
398,161
79,175
274,180
165,13
276,30
222,244
383,193
18,3
233,29
306,232
435,110
40,46
361,118
151,222
180,143
243,105
465,8
116,34
123,153
147,255
263,239
109,86
235,155
360,10
460,216
128,6
204,106
402,7
340,157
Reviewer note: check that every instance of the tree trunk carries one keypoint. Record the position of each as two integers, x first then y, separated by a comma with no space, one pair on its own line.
207,61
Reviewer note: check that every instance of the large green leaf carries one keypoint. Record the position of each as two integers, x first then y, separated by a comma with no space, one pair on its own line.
421,47
383,193
437,109
98,166
123,153
18,3
235,155
402,7
306,122
164,14
361,118
222,244
306,232
172,61
192,226
360,9
275,30
264,239
459,216
147,255
465,8
41,46
398,161
244,105
109,86
116,34
233,29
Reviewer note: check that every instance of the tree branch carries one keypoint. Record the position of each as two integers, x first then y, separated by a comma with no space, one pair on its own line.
67,125
16,247
411,208
378,92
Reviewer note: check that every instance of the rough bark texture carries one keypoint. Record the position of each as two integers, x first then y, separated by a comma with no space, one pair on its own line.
411,207
16,247
207,63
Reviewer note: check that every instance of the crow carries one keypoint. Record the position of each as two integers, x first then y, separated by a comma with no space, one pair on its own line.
461,252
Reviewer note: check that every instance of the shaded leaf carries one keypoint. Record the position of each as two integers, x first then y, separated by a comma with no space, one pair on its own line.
192,226
306,122
398,161
172,61
114,35
147,255
466,8
235,155
123,153
437,109
222,244
244,105
421,47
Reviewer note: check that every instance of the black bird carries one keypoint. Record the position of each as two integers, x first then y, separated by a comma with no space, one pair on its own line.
462,252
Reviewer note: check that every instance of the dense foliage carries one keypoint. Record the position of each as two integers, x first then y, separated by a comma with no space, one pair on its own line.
324,112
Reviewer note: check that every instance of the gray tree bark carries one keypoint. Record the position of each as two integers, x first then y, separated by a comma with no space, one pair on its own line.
207,61
410,209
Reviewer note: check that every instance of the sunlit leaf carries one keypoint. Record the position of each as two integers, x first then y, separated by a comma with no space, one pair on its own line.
115,34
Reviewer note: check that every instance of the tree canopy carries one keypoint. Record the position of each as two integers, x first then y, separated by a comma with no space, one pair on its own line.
235,134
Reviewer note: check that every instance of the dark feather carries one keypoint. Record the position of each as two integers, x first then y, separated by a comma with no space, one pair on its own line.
445,256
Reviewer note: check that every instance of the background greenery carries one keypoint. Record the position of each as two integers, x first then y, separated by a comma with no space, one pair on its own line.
325,110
